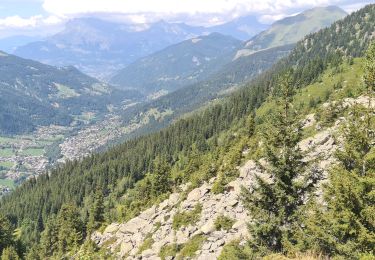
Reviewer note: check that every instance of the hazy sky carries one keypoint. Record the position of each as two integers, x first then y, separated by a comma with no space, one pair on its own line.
46,16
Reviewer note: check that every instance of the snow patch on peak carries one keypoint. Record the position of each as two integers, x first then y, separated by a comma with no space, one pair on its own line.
195,40
243,53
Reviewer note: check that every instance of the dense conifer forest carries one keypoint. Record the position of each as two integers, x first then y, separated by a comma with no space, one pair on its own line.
51,216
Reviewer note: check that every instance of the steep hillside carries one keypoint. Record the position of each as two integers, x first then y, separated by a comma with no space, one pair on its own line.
292,29
244,67
33,94
78,198
178,65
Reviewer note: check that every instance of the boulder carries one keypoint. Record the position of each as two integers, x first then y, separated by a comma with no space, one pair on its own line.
112,228
208,227
148,253
194,195
173,199
233,202
126,247
148,214
134,225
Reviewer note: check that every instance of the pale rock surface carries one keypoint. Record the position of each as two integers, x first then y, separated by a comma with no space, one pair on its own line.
124,239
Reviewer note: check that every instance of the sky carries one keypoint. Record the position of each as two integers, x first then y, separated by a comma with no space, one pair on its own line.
44,17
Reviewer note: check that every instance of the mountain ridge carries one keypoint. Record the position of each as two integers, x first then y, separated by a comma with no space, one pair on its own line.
30,89
178,65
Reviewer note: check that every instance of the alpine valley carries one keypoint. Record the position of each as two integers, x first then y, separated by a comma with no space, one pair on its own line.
234,141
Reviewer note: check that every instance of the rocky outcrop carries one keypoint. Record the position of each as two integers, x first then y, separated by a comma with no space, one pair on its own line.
124,240
156,223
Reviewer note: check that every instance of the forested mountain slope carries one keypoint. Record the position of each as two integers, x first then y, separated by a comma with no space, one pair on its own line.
244,67
118,184
194,96
178,65
291,29
34,94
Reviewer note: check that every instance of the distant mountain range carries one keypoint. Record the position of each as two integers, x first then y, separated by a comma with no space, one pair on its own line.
10,44
193,71
99,47
33,94
178,65
294,28
242,67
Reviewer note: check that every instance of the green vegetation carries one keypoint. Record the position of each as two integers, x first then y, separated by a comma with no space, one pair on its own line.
190,247
147,244
52,212
235,251
223,222
176,66
33,152
276,205
6,165
65,92
169,250
33,94
7,183
346,227
292,29
182,251
6,152
182,219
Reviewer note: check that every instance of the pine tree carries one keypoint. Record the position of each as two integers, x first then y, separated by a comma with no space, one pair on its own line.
70,229
250,125
96,214
9,253
275,204
161,177
48,240
347,226
6,233
369,77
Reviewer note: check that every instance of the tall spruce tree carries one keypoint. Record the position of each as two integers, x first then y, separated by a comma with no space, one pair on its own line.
161,178
9,253
347,226
6,233
96,214
275,204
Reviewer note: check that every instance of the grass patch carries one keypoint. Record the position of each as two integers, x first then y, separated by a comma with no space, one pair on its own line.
6,165
33,152
223,223
6,152
182,251
157,226
235,251
8,183
333,86
169,250
6,140
65,91
185,218
189,248
147,243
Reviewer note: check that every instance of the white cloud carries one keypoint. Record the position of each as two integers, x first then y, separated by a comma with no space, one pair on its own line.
33,21
194,12
71,7
215,10
19,22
